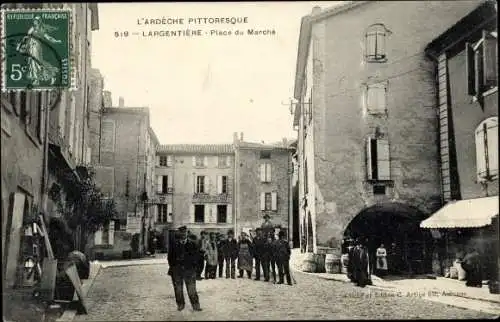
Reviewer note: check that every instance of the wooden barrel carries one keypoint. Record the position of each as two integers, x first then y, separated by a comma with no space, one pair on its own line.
344,260
309,264
332,264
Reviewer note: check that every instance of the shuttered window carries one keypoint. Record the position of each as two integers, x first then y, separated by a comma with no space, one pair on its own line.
481,65
376,98
269,201
199,213
486,137
221,214
378,159
265,172
201,184
375,50
200,161
222,182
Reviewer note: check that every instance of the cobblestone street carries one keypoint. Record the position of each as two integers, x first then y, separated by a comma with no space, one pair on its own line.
145,293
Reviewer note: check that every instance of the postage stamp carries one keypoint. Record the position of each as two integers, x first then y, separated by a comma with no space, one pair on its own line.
36,50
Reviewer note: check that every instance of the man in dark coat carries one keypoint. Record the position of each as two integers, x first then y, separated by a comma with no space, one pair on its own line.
182,260
258,245
230,251
283,252
201,259
350,258
221,241
362,265
267,253
473,268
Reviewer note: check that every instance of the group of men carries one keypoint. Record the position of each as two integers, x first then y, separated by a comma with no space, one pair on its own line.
358,267
189,256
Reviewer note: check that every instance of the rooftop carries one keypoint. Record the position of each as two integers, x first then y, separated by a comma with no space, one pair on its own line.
196,148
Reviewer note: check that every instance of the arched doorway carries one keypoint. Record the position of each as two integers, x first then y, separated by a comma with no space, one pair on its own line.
397,227
310,240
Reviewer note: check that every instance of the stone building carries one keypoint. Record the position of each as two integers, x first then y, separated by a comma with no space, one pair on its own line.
195,187
367,124
124,173
263,185
466,69
44,144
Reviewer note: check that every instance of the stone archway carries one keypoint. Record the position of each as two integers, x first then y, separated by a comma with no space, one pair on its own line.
397,226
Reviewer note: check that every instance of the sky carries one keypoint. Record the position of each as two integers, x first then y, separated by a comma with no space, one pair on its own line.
202,89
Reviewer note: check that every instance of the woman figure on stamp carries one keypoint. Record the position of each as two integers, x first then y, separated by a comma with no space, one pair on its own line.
31,44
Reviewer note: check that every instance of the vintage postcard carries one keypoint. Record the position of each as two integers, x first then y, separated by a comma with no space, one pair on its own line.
314,160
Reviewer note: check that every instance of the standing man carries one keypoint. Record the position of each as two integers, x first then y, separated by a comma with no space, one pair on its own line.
230,251
182,260
283,258
258,245
266,255
201,260
221,241
211,257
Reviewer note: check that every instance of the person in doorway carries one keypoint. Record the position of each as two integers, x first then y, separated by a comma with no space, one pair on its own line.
211,257
258,245
283,258
221,241
245,256
472,267
381,260
183,260
230,251
350,260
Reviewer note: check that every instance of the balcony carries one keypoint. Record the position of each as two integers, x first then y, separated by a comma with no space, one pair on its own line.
168,191
208,198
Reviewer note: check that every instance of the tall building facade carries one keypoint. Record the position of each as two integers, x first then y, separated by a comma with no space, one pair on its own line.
194,187
263,185
44,144
367,125
466,64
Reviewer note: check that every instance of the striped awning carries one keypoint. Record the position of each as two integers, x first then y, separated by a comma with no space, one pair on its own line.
471,213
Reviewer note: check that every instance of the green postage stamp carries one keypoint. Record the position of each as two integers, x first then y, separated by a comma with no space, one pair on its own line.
36,49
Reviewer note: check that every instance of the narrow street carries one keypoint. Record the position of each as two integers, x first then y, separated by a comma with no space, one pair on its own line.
145,292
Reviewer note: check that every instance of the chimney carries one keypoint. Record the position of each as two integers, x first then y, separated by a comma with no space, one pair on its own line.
241,136
121,102
316,10
235,137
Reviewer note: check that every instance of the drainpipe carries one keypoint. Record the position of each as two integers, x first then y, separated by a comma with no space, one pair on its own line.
84,82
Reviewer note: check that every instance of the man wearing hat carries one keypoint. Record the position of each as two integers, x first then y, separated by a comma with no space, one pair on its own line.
283,258
182,260
258,246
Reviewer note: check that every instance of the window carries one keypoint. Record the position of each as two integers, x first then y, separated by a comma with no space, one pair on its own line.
222,182
378,159
199,213
481,61
164,184
200,184
265,172
164,213
200,162
487,150
165,160
269,201
375,43
376,98
265,154
221,214
378,189
224,161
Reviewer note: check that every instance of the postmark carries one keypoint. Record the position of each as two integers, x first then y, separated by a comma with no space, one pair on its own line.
36,49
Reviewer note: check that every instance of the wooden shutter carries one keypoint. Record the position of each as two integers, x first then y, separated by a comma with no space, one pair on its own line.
111,232
369,167
480,153
381,95
157,160
206,184
207,211
205,161
383,160
170,215
169,160
194,161
169,182
263,173
229,213
191,213
478,66
492,139
228,161
371,98
98,237
262,201
268,172
219,184
194,184
470,69
159,186
274,201
489,60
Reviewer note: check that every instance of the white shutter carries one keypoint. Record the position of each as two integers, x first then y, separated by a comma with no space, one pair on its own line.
383,160
268,172
111,232
480,153
205,161
170,217
155,213
169,160
98,237
159,183
381,98
371,98
194,161
214,214
157,160
263,173
228,161
262,201
229,213
169,181
369,169
191,213
274,201
492,136
208,212
194,183
219,185
207,184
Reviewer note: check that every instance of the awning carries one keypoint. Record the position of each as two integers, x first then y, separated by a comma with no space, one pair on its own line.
471,213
